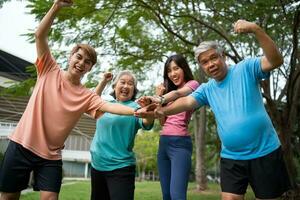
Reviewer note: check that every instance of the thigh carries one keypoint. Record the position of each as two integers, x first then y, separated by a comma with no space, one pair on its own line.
99,185
15,169
269,177
121,183
180,155
234,176
164,169
47,175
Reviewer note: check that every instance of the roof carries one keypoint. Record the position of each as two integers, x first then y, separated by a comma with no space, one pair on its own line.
12,108
13,67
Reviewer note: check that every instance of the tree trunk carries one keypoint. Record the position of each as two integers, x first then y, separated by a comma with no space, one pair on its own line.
200,128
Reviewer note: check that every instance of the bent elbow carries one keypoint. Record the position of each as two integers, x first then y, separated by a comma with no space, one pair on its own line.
277,62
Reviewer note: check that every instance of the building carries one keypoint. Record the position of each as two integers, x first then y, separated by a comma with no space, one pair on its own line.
76,156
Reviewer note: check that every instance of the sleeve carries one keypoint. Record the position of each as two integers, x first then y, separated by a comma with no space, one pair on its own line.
94,106
192,84
200,95
45,64
144,127
253,66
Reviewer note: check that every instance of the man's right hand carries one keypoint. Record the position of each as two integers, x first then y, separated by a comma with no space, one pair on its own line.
63,3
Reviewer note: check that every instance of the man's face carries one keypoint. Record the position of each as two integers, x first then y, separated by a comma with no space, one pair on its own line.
213,64
79,63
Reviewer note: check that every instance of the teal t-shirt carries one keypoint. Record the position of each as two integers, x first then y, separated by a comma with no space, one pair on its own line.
113,141
244,127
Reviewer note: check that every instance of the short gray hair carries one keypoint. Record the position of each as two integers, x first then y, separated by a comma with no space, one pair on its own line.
205,46
117,78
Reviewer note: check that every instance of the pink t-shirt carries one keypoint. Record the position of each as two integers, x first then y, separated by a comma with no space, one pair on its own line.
53,110
177,125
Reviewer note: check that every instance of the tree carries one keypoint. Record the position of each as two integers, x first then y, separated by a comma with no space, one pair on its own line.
139,34
146,144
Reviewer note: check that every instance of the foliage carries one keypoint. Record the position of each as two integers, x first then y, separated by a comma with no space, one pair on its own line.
23,88
145,148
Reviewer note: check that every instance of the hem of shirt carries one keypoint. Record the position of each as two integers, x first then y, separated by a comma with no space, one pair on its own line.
58,157
107,169
175,134
255,156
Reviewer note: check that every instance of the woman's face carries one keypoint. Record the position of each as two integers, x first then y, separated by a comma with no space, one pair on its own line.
124,88
176,74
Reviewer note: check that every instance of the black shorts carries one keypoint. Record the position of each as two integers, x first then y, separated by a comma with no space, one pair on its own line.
267,175
17,164
118,184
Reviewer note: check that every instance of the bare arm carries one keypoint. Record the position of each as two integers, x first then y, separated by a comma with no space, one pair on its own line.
175,94
180,105
272,58
148,121
116,108
41,33
107,76
170,96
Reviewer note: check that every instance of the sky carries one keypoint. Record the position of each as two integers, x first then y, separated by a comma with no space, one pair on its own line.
14,22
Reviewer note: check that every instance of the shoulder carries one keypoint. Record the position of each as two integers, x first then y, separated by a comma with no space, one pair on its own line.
253,61
193,84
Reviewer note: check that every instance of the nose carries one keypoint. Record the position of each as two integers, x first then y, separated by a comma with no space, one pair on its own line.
173,73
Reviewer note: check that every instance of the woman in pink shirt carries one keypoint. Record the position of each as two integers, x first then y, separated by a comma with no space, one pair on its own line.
175,145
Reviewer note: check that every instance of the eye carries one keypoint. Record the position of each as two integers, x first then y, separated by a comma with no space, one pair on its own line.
88,62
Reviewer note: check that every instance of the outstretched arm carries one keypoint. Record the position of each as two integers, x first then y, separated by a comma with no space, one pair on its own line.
178,106
166,98
272,57
41,34
107,76
117,108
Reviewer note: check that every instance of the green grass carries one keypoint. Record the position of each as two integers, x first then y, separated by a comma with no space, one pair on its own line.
144,191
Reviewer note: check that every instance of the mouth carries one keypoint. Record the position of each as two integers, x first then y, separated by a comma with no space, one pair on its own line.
78,69
174,80
124,92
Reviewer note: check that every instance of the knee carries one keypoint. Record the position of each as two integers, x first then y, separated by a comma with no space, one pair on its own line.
9,196
49,195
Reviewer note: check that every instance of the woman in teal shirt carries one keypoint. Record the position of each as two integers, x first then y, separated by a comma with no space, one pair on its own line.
113,161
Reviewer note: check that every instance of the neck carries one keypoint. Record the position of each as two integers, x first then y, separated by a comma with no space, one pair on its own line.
73,80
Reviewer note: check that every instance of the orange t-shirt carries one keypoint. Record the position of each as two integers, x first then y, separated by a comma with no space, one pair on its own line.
53,110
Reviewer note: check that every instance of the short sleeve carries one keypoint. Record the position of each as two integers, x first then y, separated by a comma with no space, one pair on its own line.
253,65
94,106
45,64
192,84
199,95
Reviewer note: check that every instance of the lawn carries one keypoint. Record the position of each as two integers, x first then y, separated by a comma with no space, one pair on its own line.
144,191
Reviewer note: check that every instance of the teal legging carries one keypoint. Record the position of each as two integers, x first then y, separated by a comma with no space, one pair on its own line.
174,165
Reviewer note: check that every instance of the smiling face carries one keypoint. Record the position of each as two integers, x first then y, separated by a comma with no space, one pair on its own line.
176,74
79,64
213,64
124,88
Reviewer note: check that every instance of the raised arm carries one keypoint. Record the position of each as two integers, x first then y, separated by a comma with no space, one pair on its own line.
272,58
107,76
42,31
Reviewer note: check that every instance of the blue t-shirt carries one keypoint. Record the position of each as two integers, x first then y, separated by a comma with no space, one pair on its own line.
113,141
244,127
